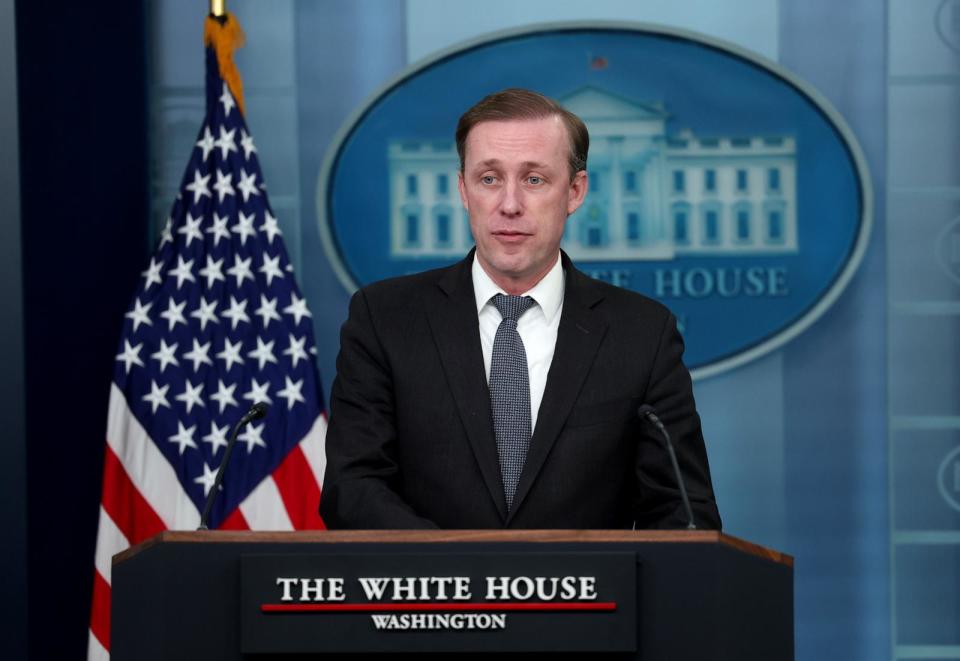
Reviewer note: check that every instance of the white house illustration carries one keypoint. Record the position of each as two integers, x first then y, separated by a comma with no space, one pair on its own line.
652,196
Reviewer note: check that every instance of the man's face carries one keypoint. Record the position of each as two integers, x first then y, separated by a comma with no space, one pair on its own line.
517,189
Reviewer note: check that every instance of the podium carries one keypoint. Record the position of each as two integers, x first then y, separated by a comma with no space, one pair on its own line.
646,595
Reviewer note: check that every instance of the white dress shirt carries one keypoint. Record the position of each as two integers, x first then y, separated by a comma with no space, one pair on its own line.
537,326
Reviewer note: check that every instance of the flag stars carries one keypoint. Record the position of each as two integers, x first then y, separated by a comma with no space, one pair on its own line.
291,392
247,184
270,227
191,396
258,393
152,274
297,308
231,353
184,437
130,355
208,478
219,229
198,355
296,349
237,312
224,395
241,270
252,436
206,142
246,142
205,313
183,271
211,371
263,353
270,268
174,313
267,310
227,100
217,438
225,143
244,228
199,187
139,314
191,229
213,271
166,355
166,235
224,185
157,396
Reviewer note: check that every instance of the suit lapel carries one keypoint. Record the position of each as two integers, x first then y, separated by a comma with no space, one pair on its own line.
452,311
578,338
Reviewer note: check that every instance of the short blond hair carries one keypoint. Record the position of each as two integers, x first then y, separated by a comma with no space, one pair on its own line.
519,103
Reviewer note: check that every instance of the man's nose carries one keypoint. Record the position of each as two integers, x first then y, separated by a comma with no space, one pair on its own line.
511,203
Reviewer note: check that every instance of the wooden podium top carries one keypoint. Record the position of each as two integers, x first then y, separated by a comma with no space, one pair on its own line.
457,536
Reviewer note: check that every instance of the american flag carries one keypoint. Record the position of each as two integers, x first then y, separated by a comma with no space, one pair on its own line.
216,325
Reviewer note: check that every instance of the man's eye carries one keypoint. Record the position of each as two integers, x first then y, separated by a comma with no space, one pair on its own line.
536,181
488,179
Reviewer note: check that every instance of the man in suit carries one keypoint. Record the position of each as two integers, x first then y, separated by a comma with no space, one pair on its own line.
502,392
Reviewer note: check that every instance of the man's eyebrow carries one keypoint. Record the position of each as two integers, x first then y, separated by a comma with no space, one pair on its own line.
535,165
526,165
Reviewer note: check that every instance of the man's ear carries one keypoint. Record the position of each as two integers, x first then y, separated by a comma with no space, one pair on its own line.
461,186
577,192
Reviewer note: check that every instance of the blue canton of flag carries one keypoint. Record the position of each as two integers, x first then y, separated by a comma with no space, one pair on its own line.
218,322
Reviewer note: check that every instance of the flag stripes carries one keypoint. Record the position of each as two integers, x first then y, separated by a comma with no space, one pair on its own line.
286,500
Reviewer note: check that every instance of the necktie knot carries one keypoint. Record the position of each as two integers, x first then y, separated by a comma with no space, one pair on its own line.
512,307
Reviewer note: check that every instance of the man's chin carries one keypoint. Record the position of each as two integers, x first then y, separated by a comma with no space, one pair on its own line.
506,266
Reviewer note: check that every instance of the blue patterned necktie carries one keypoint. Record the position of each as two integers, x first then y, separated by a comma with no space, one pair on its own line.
510,392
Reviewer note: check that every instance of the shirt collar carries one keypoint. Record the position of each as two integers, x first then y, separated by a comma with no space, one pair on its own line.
548,293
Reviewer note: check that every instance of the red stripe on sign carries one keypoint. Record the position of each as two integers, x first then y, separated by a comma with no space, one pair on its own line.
299,491
121,499
100,612
433,606
236,521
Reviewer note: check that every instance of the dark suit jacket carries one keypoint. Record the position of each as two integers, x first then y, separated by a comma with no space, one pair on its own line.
411,442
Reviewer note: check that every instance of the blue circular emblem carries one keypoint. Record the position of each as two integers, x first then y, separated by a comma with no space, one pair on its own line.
720,184
948,478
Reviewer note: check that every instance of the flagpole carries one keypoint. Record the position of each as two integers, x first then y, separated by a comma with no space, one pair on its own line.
218,8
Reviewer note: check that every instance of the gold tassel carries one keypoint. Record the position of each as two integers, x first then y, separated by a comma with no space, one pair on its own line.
226,38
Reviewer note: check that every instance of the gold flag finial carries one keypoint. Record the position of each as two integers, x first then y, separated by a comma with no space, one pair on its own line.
218,8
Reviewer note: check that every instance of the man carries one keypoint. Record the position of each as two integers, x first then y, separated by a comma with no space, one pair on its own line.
503,391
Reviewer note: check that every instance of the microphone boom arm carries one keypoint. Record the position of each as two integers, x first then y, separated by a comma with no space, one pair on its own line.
256,412
646,412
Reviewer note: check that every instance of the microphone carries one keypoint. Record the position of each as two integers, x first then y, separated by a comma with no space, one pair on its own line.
256,412
646,412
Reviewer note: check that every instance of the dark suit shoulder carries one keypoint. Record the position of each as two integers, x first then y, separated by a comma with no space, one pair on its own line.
401,291
616,302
